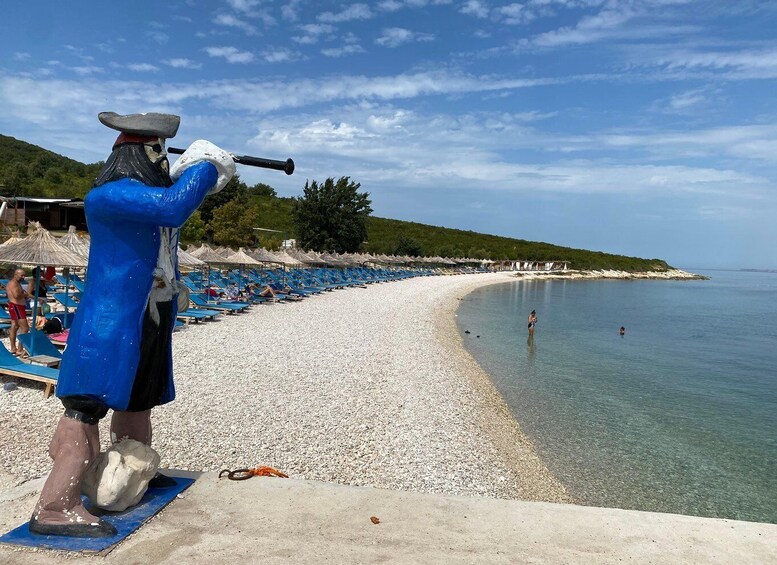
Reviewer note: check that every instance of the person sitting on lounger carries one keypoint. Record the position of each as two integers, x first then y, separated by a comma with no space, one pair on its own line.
232,292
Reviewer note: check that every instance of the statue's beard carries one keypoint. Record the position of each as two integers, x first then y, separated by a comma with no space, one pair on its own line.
131,161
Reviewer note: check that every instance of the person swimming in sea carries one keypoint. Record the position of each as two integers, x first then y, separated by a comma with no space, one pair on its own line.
532,322
623,331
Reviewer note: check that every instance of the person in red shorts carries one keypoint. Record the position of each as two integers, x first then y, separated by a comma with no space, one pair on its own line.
17,309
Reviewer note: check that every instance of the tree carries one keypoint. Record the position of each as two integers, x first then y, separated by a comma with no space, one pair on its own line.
408,246
331,216
194,228
263,190
233,223
235,189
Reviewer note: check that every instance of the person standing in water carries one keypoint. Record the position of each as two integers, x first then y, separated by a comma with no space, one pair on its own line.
532,322
623,330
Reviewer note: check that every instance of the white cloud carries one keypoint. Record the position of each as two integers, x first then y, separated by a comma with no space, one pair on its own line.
245,6
588,30
142,67
182,63
514,14
352,12
396,36
336,52
21,56
390,6
475,8
395,5
399,148
289,10
748,142
157,36
231,54
239,23
280,55
749,63
311,33
87,70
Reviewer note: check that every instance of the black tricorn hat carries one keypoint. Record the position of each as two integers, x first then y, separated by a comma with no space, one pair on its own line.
151,124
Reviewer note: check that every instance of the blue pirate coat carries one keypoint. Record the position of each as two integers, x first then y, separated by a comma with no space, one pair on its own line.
124,218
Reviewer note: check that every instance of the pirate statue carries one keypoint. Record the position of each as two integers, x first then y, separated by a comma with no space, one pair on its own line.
119,353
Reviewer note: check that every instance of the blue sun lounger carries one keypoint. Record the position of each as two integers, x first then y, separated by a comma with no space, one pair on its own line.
37,343
66,301
14,367
197,314
202,301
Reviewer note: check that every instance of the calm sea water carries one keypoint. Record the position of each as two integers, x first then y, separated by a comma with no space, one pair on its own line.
679,415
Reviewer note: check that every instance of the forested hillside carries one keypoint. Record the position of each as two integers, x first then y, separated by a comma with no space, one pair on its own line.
28,170
229,217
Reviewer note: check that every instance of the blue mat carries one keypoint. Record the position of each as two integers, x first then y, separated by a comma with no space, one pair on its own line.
125,522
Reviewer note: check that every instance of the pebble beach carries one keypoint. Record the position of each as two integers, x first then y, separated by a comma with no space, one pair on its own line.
361,386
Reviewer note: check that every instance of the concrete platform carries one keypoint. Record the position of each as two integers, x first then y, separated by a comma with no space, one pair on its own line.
272,520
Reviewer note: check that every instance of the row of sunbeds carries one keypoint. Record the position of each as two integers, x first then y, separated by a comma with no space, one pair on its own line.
286,286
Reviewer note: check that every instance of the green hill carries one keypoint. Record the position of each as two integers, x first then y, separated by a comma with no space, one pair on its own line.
28,170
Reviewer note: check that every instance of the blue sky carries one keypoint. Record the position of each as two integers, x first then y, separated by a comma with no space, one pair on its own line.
643,127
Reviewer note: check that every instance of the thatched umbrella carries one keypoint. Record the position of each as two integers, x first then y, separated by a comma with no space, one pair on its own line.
188,260
40,249
209,256
241,258
287,259
74,243
300,255
13,239
264,256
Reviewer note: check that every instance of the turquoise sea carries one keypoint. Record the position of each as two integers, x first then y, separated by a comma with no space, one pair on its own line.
678,415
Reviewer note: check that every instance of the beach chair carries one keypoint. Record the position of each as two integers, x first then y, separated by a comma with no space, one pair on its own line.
197,314
201,301
14,367
38,344
68,301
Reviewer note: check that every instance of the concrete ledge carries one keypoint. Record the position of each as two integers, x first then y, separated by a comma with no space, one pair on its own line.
288,521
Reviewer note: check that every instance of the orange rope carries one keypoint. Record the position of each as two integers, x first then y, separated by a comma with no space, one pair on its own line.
243,474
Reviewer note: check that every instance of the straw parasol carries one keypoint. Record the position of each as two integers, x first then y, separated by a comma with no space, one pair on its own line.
208,255
74,243
13,239
264,256
315,257
188,260
300,255
40,249
240,257
287,259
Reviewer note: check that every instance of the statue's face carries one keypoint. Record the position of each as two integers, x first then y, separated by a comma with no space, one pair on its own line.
157,154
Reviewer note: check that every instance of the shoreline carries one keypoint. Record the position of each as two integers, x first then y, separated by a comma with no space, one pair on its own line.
495,416
671,274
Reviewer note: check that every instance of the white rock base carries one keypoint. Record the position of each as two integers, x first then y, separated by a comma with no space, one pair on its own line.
119,477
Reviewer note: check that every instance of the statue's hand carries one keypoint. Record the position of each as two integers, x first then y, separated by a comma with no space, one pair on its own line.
202,150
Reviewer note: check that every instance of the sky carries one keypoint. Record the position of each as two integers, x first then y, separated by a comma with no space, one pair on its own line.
641,127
